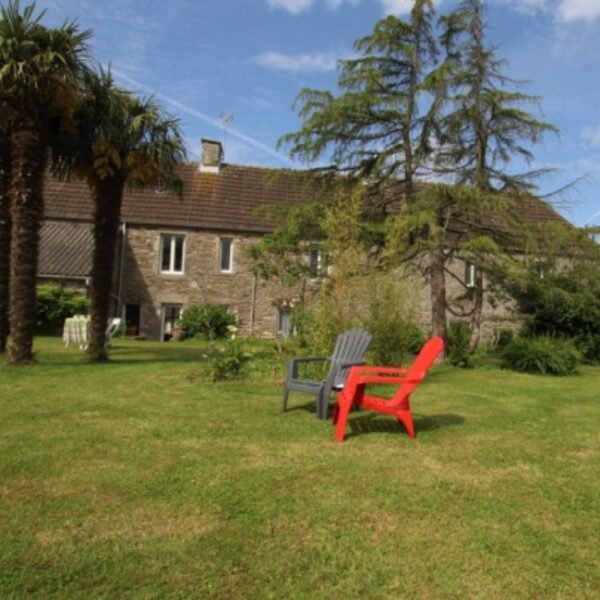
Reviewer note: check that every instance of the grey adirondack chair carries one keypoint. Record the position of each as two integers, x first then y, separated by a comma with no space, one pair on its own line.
349,351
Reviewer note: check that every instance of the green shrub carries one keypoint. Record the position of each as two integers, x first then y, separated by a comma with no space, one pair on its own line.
544,355
230,363
392,321
590,348
566,304
54,304
459,338
392,341
209,321
501,339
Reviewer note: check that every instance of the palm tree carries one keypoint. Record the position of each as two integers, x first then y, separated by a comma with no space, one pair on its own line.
4,231
122,140
38,81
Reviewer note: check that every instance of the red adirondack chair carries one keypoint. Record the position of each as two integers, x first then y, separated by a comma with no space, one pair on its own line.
399,406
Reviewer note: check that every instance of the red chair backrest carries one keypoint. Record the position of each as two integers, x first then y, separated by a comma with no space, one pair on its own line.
426,357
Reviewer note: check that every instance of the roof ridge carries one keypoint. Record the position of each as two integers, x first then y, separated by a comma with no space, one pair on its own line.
192,163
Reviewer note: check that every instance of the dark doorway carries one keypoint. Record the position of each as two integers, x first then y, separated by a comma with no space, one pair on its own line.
132,319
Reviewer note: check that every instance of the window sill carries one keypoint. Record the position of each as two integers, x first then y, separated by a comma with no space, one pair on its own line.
169,274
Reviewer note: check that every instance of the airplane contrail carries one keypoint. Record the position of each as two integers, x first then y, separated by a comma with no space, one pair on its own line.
596,214
206,118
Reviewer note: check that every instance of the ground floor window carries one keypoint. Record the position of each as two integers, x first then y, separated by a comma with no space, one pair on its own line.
171,314
284,323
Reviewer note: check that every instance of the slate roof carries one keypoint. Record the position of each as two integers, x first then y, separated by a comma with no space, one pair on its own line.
227,200
224,201
65,249
220,201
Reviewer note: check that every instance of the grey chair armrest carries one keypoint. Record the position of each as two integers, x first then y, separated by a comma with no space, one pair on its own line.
355,363
333,381
294,363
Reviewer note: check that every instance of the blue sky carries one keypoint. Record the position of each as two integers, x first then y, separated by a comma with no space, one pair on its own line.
249,58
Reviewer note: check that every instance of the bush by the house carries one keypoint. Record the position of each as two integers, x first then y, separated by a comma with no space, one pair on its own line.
566,304
589,345
209,321
541,354
393,341
392,321
501,339
459,338
230,363
54,304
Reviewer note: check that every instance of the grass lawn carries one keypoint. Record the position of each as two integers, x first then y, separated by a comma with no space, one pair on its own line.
141,478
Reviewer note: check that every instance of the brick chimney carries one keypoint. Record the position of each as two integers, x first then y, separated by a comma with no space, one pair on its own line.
212,155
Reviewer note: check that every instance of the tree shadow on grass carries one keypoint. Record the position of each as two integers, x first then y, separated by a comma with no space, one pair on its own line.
120,355
374,423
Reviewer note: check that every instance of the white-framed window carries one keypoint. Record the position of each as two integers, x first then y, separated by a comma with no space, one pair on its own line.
284,323
226,255
172,247
470,275
314,260
541,270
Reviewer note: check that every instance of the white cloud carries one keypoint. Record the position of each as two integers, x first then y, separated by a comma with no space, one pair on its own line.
335,4
525,6
591,135
295,7
396,7
310,61
292,6
573,10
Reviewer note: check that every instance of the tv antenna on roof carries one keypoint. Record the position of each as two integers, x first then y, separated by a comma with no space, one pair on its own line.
226,121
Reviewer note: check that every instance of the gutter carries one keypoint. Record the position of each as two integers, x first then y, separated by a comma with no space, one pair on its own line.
121,269
253,305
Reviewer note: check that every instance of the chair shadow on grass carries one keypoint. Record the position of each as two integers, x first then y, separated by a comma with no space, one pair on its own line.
361,423
310,407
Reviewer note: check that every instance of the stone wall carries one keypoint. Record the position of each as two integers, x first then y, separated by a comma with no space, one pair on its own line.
251,300
254,301
495,315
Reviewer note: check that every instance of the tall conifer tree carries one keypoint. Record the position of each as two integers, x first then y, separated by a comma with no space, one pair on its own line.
380,127
376,128
486,127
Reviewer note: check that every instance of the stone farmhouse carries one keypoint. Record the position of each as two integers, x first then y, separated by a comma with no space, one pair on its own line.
175,251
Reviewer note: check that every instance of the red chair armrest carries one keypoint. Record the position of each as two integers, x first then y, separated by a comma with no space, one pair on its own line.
387,379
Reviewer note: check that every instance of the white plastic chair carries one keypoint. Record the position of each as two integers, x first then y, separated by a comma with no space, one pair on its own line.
112,328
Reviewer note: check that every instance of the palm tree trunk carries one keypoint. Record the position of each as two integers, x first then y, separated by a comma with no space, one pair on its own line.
108,195
29,157
5,226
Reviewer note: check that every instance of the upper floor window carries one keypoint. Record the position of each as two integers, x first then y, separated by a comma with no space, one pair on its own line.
541,270
470,275
226,255
171,253
314,261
